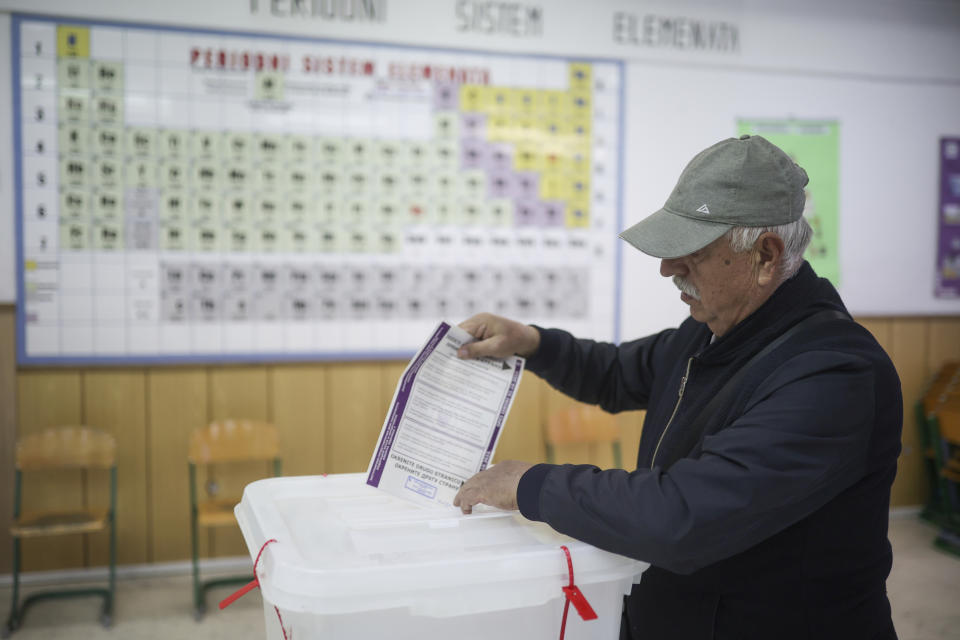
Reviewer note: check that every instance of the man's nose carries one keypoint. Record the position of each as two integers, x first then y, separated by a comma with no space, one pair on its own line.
672,267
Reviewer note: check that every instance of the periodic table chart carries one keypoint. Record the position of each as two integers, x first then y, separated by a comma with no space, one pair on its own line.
197,195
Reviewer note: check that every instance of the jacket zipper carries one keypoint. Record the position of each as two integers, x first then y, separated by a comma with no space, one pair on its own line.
683,384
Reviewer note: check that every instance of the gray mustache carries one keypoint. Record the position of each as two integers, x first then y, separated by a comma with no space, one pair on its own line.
686,287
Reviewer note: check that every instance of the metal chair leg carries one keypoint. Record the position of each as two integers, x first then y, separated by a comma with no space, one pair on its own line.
199,607
13,621
106,617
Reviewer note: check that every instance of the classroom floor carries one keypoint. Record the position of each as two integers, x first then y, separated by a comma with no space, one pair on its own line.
924,589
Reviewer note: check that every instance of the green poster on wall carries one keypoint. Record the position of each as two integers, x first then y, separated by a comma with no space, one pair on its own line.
814,145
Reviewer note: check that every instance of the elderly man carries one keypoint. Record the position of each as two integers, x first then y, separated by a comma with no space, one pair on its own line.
762,485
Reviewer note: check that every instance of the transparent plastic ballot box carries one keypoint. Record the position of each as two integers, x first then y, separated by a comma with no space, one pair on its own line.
350,561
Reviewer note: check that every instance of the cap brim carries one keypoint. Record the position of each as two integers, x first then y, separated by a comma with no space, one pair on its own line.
668,235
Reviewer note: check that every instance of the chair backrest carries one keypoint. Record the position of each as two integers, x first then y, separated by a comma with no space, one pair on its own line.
948,369
948,417
581,424
66,447
944,385
233,441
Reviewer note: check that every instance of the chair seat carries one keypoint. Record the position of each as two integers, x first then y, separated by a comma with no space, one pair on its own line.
50,523
217,513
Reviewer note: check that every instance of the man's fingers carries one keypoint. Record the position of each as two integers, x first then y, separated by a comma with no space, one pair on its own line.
480,331
475,325
493,347
466,508
471,493
459,498
465,504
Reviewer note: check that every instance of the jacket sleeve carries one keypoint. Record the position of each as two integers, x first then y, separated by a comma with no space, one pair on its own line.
801,440
618,378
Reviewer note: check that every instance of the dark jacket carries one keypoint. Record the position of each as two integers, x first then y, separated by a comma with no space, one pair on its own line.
774,525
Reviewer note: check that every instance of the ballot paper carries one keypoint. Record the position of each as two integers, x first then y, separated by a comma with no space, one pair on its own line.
445,420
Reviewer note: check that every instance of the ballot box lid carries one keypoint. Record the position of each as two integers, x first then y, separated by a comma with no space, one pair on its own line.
342,546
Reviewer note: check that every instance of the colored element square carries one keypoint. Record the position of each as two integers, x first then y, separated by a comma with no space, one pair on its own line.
74,107
74,235
298,148
108,141
141,142
74,205
73,41
238,146
107,110
74,138
107,172
447,124
173,143
581,76
108,236
269,85
445,97
108,77
205,144
474,97
73,73
578,213
108,205
74,171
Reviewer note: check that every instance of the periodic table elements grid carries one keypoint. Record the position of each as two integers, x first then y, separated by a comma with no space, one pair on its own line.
190,195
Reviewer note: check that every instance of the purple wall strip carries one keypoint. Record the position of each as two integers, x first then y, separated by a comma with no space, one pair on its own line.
948,215
396,414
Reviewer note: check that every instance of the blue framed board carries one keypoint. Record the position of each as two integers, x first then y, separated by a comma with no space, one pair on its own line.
192,195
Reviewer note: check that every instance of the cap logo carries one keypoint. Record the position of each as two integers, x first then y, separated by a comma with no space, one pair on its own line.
703,209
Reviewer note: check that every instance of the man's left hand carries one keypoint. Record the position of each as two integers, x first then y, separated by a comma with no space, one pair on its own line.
496,486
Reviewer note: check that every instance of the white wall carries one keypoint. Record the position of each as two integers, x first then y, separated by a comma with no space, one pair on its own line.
886,70
888,171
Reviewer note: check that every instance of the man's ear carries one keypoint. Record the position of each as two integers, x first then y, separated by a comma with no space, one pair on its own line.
768,252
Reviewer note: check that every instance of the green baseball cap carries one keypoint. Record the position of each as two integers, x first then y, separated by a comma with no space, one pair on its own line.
738,182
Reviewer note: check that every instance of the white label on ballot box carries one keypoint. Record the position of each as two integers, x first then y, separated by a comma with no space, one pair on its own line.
445,420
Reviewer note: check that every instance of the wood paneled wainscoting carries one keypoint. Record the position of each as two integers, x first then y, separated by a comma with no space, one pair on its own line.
329,416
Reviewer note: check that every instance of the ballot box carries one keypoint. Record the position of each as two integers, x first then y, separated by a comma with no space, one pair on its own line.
336,558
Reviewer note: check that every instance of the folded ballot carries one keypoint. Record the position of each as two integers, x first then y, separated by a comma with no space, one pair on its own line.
445,420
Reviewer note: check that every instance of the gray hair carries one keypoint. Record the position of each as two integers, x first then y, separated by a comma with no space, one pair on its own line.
796,236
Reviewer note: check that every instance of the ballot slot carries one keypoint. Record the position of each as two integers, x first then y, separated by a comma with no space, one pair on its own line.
378,529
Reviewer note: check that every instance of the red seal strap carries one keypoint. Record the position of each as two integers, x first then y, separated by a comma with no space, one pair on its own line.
574,595
233,597
580,603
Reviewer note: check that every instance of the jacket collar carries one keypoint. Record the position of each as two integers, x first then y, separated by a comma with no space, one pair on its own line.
800,296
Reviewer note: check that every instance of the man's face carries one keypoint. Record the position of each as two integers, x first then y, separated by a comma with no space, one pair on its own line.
719,285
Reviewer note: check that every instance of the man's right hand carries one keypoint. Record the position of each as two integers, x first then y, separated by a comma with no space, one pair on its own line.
498,337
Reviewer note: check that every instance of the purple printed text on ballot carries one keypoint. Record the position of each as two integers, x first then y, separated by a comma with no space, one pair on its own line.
396,414
517,368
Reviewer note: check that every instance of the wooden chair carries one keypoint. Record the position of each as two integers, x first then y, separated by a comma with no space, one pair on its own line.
944,386
223,442
947,429
582,424
69,447
944,428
